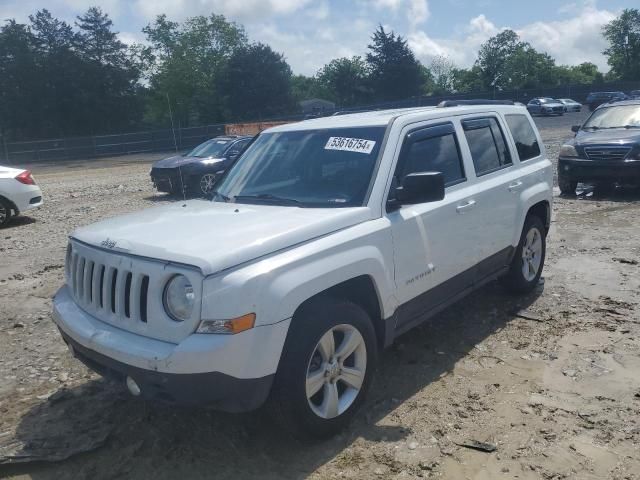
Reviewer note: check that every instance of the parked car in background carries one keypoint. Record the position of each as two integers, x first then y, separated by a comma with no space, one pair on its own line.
634,94
605,149
324,242
595,99
18,193
570,105
545,106
196,172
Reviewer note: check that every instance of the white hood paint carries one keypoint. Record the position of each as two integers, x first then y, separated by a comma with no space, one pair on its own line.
216,236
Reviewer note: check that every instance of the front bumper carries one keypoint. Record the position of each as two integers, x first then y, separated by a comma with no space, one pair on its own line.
167,180
228,372
593,170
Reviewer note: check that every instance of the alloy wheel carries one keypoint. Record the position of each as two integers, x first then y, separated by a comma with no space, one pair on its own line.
336,371
206,183
531,254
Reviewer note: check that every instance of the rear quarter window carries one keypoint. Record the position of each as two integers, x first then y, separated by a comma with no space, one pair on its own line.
523,135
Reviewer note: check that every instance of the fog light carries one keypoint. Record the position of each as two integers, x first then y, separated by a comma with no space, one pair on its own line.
133,387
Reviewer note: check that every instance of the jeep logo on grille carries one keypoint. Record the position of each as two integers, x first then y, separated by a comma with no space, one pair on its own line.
108,243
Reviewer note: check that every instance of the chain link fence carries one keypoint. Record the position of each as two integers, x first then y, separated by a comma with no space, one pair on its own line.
74,148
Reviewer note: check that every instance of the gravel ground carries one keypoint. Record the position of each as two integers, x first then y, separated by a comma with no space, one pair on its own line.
549,380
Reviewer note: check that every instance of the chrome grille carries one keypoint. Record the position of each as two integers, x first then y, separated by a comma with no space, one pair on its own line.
107,289
126,291
607,153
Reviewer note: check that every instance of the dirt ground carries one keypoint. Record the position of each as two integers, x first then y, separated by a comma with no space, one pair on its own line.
551,381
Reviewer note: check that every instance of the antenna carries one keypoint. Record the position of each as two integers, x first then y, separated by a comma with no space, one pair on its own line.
175,144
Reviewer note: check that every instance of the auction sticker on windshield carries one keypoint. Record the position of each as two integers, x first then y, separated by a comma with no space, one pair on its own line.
358,145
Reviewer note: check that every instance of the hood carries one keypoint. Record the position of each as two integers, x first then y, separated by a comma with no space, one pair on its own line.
552,104
614,136
216,236
180,161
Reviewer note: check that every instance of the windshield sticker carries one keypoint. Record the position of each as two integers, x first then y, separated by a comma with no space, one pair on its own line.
358,145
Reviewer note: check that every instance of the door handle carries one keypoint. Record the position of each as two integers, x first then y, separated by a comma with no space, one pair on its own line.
463,207
515,186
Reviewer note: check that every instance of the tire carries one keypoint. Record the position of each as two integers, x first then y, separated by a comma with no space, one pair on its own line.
206,184
567,186
180,190
303,363
5,212
530,253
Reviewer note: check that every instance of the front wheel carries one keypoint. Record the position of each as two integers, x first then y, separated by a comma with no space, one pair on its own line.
567,186
325,369
528,260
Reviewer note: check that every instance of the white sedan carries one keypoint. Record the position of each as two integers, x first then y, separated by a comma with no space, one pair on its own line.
18,193
570,105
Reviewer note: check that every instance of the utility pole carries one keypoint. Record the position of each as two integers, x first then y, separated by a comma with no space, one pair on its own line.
627,55
173,130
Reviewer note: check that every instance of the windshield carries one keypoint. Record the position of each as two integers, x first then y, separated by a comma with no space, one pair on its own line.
306,168
620,116
210,148
548,100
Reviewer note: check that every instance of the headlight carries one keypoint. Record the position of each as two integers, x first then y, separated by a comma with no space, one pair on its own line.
179,298
210,161
568,151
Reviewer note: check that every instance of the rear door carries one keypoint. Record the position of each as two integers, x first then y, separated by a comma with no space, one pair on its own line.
497,185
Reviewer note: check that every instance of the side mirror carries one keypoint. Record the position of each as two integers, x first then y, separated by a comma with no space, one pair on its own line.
575,128
233,154
421,187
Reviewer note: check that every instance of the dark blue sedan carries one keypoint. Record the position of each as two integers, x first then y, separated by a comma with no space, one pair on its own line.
196,172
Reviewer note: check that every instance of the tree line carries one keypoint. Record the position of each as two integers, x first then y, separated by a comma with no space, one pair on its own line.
58,79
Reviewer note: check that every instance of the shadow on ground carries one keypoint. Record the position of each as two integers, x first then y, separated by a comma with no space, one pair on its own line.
610,193
144,440
18,221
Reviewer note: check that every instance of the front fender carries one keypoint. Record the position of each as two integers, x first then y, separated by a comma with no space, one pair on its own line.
273,287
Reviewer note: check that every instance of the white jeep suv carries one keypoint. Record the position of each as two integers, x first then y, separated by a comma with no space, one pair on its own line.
326,240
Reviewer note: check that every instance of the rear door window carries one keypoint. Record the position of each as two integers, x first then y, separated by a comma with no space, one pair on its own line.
524,136
488,147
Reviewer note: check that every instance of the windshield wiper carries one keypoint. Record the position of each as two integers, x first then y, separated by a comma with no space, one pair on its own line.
617,126
268,196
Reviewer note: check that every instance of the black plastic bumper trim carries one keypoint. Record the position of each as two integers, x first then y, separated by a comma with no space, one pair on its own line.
579,169
213,389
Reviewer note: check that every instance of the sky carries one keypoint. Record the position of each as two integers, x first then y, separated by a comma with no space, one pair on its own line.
310,33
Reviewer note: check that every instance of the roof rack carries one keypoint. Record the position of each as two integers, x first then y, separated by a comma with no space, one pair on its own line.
459,103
